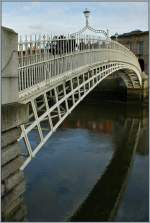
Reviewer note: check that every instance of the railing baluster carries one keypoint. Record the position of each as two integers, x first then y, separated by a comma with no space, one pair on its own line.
43,58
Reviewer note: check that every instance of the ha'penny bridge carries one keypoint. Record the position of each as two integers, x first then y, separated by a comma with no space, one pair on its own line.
55,73
43,79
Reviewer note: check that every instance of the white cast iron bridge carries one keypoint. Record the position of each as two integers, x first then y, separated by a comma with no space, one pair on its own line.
57,72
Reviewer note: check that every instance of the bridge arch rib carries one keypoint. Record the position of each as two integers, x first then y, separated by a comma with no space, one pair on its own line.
53,81
50,104
129,78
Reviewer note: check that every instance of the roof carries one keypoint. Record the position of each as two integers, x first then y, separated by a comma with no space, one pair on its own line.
132,33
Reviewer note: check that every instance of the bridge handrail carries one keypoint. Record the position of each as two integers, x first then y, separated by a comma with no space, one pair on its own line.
125,48
70,54
34,68
29,51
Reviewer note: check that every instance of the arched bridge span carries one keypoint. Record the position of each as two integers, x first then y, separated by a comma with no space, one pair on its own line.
53,82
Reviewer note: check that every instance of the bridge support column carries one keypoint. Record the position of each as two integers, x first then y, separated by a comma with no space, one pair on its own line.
145,86
134,94
13,114
142,93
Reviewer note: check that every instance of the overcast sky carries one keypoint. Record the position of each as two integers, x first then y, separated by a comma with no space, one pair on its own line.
67,17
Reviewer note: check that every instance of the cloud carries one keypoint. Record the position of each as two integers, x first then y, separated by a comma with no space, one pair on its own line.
36,27
58,17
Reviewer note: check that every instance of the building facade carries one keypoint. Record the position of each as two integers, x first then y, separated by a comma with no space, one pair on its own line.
138,42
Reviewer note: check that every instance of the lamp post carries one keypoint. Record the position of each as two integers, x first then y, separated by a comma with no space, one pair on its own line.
116,35
87,14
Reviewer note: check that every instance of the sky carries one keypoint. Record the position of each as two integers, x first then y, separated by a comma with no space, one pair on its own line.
67,17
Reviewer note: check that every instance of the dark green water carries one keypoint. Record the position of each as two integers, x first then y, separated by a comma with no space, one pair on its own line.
94,168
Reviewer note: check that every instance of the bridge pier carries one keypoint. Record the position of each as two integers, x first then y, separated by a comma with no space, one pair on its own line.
13,115
113,86
140,94
134,94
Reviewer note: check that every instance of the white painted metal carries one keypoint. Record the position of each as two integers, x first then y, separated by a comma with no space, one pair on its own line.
35,69
57,72
96,78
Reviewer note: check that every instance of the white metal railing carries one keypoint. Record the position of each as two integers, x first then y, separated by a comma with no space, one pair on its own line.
43,58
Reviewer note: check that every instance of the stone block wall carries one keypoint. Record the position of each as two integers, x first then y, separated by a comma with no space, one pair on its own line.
13,114
12,179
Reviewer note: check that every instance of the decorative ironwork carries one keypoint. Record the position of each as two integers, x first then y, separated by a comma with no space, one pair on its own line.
88,27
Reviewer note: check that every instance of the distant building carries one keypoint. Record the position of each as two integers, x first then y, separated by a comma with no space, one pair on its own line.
138,42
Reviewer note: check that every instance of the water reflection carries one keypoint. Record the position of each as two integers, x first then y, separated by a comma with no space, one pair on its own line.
86,170
103,201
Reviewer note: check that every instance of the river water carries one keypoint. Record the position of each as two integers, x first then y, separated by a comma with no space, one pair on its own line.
94,167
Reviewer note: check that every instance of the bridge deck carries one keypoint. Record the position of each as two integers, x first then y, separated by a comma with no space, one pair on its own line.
54,83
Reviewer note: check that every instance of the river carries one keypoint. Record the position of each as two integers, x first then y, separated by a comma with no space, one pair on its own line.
94,167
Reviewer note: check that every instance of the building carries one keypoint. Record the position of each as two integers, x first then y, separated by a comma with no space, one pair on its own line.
138,42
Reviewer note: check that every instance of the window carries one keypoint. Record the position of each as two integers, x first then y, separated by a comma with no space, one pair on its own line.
141,47
129,45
